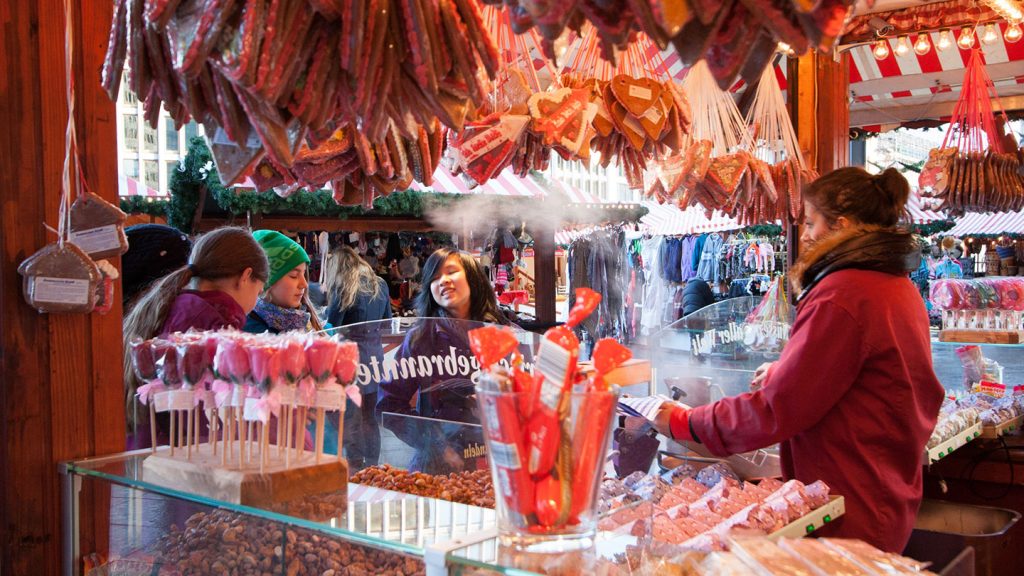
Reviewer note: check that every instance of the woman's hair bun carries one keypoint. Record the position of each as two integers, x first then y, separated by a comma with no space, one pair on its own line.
895,186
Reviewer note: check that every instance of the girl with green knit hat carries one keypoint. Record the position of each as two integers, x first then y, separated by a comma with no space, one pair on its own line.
285,304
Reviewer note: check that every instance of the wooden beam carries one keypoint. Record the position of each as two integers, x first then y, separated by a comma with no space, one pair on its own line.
545,290
820,112
899,110
62,394
315,224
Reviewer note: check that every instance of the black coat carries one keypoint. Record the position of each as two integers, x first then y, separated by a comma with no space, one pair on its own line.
696,295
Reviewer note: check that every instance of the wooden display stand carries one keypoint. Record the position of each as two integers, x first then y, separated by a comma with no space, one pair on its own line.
982,336
205,476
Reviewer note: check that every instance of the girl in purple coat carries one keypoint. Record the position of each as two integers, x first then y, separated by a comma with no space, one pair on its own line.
225,275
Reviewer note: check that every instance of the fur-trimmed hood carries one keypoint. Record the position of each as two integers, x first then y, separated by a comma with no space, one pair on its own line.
877,248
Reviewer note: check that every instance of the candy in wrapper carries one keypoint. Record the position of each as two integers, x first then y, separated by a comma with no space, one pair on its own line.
591,425
559,351
490,345
143,360
347,362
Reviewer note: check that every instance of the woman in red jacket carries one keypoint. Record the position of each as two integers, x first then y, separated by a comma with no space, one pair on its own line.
853,398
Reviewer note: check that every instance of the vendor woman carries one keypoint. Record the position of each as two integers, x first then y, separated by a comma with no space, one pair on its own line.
853,398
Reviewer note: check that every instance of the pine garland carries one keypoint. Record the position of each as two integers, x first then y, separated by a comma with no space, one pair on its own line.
197,171
144,205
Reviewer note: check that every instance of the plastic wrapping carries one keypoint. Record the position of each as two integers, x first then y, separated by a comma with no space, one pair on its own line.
60,279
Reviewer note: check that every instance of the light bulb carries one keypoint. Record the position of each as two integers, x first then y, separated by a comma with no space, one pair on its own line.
1013,33
881,49
902,46
945,39
966,39
989,35
922,45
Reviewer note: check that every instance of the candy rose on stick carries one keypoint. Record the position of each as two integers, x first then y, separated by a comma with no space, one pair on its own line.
144,365
193,366
345,366
321,355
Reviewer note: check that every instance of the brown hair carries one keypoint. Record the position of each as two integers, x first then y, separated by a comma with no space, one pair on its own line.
223,253
879,200
347,275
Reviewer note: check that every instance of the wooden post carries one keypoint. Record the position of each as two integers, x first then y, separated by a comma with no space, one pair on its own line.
818,102
62,392
544,275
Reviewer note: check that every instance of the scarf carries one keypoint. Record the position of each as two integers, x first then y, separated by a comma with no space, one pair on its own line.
876,248
282,319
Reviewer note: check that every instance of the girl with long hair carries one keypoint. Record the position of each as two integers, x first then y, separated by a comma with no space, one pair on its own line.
355,294
853,398
224,277
456,296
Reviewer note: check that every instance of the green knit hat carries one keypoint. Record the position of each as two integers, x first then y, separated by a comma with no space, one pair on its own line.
283,253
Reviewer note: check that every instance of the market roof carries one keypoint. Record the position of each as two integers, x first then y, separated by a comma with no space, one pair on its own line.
1001,223
506,183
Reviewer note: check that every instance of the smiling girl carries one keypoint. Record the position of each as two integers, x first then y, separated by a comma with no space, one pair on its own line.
285,305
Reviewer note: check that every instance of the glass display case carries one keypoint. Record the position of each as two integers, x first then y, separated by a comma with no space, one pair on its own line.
713,354
366,528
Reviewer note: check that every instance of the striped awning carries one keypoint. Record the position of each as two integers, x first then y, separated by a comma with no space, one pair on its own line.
506,183
918,214
131,187
1001,223
913,87
668,219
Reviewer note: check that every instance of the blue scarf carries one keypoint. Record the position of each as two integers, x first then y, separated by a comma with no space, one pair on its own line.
282,319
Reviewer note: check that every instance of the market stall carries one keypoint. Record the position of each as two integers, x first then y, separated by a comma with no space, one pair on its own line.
374,99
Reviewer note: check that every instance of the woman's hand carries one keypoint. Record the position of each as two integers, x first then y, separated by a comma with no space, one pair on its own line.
760,374
663,421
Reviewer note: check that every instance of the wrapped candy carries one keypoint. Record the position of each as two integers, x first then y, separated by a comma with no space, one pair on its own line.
321,356
264,366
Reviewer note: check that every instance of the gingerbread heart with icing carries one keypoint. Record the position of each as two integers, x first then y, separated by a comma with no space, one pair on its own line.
636,94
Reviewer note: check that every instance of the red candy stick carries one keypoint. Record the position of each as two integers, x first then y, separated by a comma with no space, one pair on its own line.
559,351
594,417
501,418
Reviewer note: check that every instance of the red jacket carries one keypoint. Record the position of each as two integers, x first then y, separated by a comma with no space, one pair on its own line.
853,400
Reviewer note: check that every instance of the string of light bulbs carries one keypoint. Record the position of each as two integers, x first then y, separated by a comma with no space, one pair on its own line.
965,39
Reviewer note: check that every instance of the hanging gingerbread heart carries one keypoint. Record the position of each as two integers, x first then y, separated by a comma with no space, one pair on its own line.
628,126
636,94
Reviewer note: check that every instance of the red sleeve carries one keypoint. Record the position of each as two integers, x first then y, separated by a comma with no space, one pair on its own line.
679,424
819,364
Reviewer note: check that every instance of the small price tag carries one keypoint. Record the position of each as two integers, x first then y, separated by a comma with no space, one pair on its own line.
505,455
330,399
181,400
237,399
287,395
99,239
251,413
60,290
162,401
640,92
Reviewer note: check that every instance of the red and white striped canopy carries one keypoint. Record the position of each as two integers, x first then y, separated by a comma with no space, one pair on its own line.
918,214
1002,223
913,87
131,187
668,219
506,183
